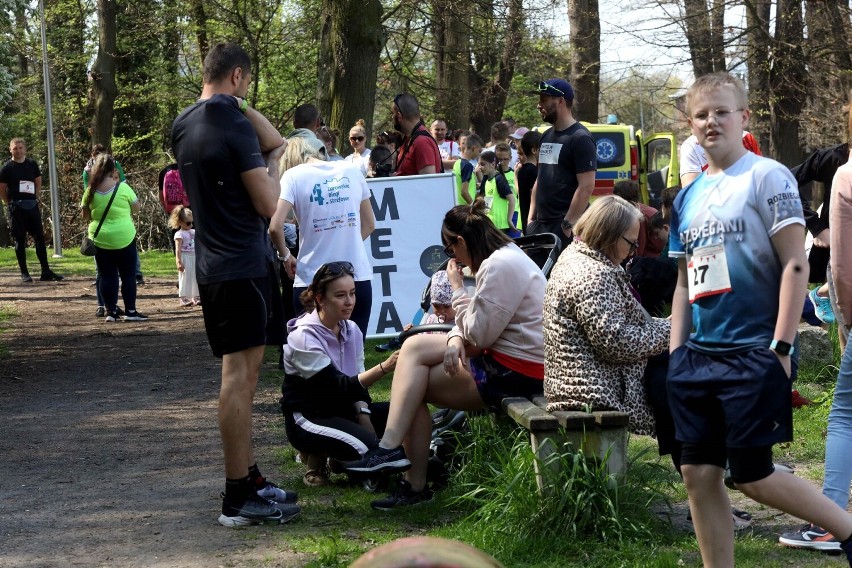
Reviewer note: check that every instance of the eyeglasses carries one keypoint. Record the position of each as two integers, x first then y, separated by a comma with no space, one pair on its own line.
633,244
356,138
721,114
544,86
449,250
337,268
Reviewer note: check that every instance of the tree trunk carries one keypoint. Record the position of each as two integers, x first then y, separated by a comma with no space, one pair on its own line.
21,31
104,88
199,17
352,40
490,92
451,32
757,19
787,80
584,20
705,41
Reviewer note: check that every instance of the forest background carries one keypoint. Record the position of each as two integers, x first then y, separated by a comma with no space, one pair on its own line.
120,71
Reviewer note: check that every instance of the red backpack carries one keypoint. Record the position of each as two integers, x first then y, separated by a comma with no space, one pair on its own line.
172,192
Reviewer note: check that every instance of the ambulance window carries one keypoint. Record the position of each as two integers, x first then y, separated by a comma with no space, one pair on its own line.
610,149
659,154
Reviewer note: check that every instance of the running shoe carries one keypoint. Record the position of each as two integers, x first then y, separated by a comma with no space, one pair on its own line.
822,307
812,537
403,496
255,509
50,276
26,277
272,492
380,459
134,316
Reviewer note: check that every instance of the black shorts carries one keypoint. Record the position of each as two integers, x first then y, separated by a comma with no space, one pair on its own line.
496,382
739,400
237,314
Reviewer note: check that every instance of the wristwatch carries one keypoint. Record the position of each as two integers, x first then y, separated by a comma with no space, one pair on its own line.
782,347
567,225
366,411
284,258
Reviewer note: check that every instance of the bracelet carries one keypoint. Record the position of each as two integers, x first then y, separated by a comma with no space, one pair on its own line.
285,258
382,368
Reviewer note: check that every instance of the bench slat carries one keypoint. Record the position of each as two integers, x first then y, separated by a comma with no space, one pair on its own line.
574,419
529,415
611,418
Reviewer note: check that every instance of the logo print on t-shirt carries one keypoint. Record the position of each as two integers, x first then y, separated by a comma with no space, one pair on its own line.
316,195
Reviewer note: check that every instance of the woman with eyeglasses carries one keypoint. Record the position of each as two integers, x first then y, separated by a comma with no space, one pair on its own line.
358,140
331,200
328,412
597,338
494,350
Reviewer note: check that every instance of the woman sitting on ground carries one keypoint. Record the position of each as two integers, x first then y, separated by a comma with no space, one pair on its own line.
328,412
498,327
597,338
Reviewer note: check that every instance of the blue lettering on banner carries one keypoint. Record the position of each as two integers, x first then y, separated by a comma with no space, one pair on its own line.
377,243
388,206
388,318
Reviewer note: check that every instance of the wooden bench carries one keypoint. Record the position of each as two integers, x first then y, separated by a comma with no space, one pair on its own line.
600,435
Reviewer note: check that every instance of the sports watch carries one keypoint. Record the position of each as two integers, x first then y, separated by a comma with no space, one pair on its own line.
782,347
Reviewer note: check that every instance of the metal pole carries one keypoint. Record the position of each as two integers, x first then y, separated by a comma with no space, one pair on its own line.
51,148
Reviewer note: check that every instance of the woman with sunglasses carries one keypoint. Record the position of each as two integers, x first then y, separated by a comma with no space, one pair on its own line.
597,338
332,203
328,412
358,140
494,350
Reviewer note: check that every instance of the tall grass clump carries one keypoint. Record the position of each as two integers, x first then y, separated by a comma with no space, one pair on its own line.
505,515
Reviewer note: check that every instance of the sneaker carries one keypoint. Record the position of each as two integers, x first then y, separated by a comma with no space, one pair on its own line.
254,510
112,317
812,537
185,303
402,497
822,307
50,276
380,459
391,345
273,493
140,281
100,312
134,316
26,277
119,312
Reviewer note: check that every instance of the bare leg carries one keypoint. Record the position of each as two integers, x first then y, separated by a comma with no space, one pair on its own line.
799,498
711,514
417,448
239,380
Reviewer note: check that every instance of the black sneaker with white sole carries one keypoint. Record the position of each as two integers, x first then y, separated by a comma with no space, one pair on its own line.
811,537
380,459
134,316
403,496
255,509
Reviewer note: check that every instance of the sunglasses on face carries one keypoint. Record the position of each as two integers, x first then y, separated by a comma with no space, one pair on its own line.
337,268
356,138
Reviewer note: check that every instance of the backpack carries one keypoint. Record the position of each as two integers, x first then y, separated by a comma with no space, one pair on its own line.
172,192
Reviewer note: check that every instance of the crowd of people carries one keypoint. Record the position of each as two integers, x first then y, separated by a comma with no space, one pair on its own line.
712,381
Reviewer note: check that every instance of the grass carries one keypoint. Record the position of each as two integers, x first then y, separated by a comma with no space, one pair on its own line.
155,263
492,503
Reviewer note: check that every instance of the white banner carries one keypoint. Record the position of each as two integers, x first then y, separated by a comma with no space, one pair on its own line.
405,249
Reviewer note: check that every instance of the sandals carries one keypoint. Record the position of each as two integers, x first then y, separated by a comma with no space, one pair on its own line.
315,478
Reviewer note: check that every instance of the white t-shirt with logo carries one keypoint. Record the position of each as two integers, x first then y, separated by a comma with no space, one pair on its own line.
449,149
326,197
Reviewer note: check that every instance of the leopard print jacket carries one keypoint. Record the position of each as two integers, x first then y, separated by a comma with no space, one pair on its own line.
597,338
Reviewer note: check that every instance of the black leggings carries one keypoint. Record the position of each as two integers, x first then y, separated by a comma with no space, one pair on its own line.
337,437
25,221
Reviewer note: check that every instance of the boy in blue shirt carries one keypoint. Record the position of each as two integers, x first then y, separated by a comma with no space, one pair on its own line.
738,234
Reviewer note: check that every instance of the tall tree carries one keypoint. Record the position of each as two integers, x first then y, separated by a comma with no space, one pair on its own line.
104,89
451,32
705,35
787,83
759,40
351,42
584,19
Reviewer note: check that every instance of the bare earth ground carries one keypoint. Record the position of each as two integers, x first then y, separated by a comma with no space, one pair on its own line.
109,448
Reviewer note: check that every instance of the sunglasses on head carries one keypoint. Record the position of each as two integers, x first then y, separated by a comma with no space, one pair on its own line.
544,86
337,268
356,138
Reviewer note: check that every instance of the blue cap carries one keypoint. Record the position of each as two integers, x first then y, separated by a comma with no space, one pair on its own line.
555,88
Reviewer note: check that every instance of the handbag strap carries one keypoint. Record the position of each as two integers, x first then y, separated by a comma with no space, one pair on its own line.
104,216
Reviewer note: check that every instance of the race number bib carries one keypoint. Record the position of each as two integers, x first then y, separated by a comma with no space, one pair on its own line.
707,272
26,187
488,202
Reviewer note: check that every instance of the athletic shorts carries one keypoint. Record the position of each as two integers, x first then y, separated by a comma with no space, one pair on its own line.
237,313
495,381
739,400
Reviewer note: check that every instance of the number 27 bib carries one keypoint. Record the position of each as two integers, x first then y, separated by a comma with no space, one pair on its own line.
707,272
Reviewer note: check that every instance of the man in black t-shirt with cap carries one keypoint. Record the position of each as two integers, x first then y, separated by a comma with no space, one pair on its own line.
566,165
20,184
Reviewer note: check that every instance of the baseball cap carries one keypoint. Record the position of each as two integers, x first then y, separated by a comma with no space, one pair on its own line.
519,133
555,88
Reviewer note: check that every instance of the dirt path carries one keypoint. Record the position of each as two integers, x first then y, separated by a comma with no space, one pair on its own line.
109,449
